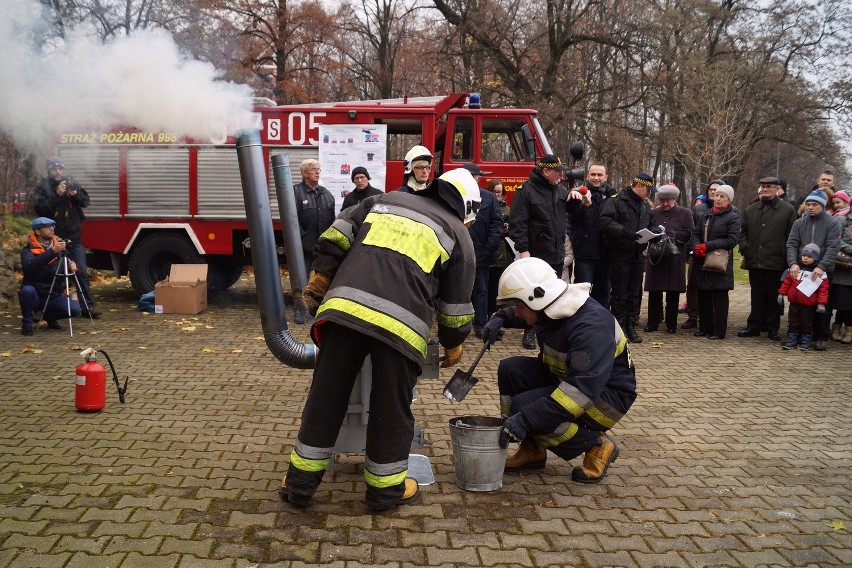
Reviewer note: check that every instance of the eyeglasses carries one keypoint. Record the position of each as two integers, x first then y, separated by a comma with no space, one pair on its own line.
422,168
315,170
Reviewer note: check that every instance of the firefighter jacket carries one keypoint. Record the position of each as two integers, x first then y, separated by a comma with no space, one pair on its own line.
621,218
315,209
537,219
38,264
794,296
584,349
66,210
355,197
397,261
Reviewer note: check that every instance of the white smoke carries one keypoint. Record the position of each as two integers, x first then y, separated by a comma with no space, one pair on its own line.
141,81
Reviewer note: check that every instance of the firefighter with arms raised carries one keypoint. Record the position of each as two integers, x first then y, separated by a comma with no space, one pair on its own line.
384,269
580,385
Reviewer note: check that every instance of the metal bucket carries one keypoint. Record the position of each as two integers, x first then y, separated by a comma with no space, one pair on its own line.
476,452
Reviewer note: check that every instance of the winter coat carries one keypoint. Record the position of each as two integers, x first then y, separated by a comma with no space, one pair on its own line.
794,296
669,274
821,229
844,276
585,223
765,228
487,231
315,209
397,262
537,219
723,232
620,219
354,197
39,267
66,210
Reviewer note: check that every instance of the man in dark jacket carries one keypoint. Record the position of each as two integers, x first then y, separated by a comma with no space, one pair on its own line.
537,219
621,218
766,225
363,189
62,198
590,261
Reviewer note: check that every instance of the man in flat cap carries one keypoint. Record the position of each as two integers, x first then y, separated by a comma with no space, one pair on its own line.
766,224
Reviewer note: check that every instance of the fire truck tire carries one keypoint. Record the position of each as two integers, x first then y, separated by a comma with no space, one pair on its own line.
153,257
222,274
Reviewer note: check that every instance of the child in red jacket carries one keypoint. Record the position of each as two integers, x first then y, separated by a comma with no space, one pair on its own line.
802,307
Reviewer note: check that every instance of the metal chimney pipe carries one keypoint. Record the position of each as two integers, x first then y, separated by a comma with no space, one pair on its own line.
283,177
270,297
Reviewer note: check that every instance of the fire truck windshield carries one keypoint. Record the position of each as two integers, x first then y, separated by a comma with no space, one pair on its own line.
542,138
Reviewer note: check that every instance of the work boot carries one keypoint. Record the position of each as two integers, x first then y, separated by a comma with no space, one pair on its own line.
835,331
529,339
631,334
792,341
596,462
847,336
411,493
53,324
299,501
805,345
527,456
689,324
26,329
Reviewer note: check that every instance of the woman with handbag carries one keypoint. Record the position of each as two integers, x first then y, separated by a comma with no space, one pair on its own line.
840,292
665,259
713,239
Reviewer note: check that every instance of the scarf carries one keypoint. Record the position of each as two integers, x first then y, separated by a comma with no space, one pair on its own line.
716,210
37,247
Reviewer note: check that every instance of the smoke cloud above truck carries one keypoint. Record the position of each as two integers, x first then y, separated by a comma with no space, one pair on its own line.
142,82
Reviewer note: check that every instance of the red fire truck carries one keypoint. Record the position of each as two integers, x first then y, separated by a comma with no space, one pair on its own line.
158,199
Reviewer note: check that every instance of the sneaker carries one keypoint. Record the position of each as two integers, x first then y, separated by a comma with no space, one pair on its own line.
26,329
529,339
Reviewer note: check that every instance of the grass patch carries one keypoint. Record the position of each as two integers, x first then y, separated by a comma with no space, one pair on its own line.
740,274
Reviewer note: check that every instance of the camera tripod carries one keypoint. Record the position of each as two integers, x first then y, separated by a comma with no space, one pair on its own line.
63,270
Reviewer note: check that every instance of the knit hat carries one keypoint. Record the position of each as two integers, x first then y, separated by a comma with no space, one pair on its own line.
40,222
842,195
726,190
646,180
549,162
783,184
358,171
54,162
816,195
668,191
811,250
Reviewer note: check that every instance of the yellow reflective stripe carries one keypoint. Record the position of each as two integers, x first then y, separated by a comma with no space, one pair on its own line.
598,416
306,464
409,238
505,404
563,433
378,319
453,321
382,481
557,367
338,238
567,403
621,344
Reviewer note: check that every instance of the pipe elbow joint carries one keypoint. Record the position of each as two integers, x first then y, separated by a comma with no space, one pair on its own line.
286,349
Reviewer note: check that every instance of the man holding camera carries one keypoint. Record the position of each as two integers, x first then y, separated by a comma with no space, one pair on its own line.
62,198
39,260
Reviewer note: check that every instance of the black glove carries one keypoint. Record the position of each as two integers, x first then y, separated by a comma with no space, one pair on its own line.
514,429
491,330
781,299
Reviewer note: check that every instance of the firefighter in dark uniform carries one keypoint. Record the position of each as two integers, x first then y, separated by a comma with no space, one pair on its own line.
383,270
581,384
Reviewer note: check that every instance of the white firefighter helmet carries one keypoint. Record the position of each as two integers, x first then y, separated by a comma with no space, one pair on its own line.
462,181
416,153
532,281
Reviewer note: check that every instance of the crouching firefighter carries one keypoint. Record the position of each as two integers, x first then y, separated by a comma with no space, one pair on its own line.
580,385
382,271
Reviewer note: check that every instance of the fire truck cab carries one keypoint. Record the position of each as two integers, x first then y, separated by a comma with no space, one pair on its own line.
159,199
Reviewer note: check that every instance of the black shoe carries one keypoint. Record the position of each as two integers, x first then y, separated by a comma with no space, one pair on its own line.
529,339
672,329
689,324
631,334
93,313
298,318
53,324
820,345
773,336
749,333
716,337
700,334
26,329
649,329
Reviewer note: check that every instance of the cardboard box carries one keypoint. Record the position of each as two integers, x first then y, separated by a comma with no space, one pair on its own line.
183,292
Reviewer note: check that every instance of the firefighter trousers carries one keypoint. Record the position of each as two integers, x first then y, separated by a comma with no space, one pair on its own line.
390,428
523,380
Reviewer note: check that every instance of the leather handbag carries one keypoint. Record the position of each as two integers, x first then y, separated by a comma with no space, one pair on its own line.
843,261
716,260
661,248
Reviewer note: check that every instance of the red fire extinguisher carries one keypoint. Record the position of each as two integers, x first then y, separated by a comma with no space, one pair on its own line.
91,382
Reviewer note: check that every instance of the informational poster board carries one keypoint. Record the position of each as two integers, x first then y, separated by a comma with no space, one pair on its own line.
344,147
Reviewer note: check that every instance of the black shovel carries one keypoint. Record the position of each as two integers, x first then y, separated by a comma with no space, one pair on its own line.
461,382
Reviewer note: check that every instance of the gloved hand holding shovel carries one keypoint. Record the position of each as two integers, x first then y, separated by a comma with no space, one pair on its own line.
492,330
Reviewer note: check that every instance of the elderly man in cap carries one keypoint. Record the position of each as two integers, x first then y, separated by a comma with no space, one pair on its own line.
766,225
41,262
363,189
63,199
621,219
538,219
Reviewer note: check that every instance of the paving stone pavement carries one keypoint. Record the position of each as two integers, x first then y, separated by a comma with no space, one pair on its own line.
735,454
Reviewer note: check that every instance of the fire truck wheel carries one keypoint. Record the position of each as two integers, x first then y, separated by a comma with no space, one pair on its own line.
153,257
222,274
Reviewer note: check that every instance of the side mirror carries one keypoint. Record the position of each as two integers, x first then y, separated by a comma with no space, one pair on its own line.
529,141
577,150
